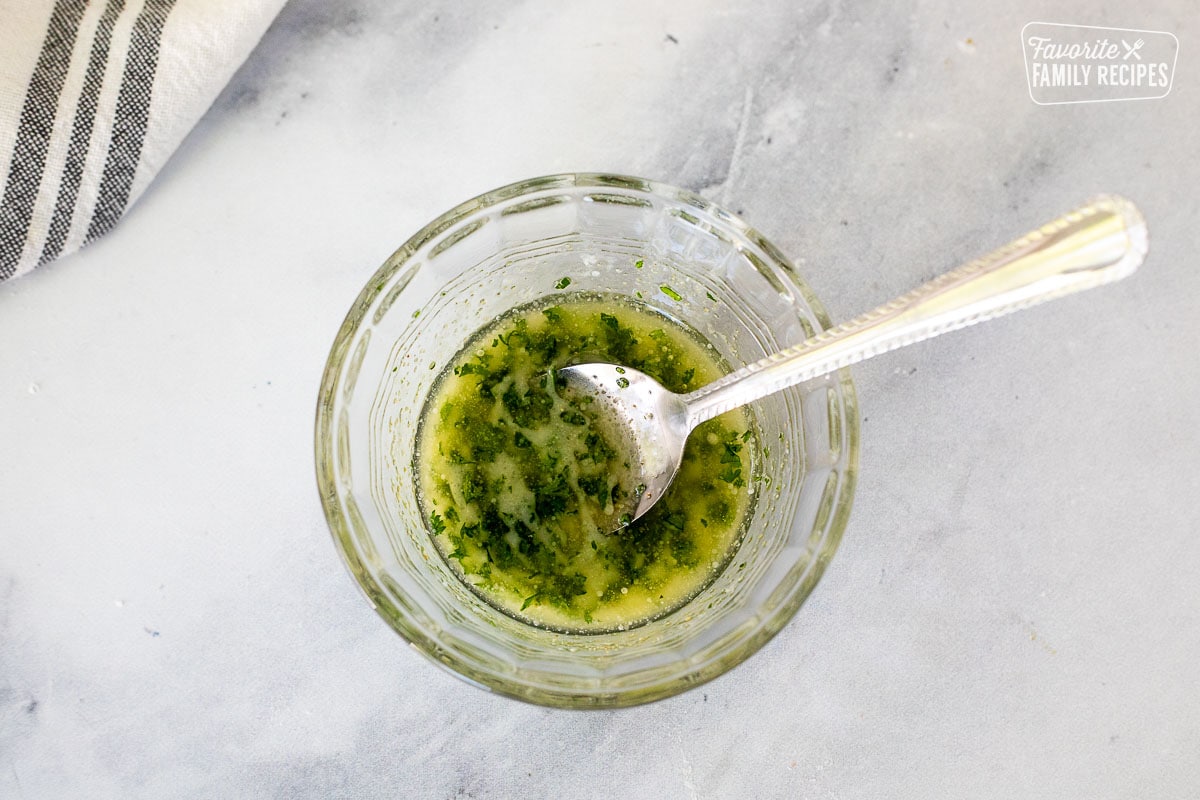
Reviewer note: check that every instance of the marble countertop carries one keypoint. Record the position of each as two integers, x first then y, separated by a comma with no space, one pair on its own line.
1013,611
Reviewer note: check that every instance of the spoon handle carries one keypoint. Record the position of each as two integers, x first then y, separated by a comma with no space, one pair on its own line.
1099,243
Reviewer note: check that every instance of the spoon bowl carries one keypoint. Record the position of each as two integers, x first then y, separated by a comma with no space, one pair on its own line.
1099,243
642,415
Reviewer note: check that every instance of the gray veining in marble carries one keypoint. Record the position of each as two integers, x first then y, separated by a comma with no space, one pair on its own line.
1013,611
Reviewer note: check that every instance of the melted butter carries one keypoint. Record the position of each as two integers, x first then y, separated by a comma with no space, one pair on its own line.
515,481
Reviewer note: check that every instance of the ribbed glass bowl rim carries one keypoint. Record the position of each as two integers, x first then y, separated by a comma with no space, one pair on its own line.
339,526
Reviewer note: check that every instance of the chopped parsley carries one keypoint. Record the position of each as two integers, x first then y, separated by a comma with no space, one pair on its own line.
513,473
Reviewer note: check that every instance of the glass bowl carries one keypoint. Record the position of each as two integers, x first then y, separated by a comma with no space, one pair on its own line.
510,247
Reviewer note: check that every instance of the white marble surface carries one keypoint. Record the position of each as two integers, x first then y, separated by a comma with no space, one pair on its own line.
1013,612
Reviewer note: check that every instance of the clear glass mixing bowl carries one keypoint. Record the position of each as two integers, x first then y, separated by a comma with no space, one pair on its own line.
514,245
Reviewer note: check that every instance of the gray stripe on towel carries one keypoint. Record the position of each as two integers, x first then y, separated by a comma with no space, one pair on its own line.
130,118
81,134
34,132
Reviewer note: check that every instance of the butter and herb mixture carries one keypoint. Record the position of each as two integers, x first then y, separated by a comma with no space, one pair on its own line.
515,480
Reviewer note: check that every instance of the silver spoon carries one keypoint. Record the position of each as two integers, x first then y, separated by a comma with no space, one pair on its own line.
1099,243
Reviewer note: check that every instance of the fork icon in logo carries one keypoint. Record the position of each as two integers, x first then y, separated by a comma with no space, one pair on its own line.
1132,50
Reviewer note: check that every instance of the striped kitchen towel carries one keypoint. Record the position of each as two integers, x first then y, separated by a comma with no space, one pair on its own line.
95,95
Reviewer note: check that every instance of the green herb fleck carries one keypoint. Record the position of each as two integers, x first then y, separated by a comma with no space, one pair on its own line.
572,417
639,263
563,283
620,339
732,473
623,383
671,293
471,368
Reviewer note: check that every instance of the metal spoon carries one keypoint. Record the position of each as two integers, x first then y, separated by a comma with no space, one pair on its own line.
1099,243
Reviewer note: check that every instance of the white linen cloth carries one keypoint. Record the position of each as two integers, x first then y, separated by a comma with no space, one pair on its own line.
95,95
